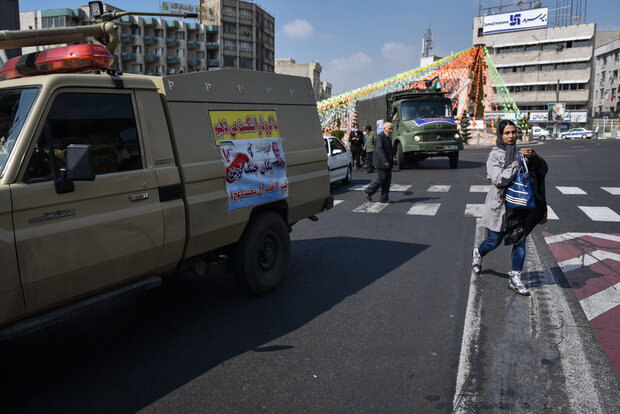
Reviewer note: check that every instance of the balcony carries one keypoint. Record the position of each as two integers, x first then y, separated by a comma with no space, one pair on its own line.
192,44
127,38
172,24
172,42
193,62
128,57
149,21
213,45
212,28
150,40
213,63
151,58
192,27
172,60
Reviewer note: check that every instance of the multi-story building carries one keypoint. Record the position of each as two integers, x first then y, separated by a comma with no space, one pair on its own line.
606,81
9,20
161,46
326,91
312,70
543,66
246,36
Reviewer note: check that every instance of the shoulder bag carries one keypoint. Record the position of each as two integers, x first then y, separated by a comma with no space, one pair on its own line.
519,194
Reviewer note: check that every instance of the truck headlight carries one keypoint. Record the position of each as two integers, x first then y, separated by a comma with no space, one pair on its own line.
417,138
457,135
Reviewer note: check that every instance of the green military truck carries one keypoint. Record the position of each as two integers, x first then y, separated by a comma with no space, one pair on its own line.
109,181
423,124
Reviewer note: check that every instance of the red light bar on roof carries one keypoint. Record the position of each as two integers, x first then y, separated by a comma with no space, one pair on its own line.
58,60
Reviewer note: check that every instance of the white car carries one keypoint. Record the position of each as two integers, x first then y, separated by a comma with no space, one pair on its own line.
577,133
539,133
339,160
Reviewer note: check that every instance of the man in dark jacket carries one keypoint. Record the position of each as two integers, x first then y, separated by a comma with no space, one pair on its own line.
383,162
356,141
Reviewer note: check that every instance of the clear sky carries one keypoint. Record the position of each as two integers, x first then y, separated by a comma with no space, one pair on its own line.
358,42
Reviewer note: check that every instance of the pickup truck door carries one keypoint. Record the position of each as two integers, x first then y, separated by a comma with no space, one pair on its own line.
11,297
105,232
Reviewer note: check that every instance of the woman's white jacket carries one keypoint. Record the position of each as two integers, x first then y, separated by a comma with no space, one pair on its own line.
494,213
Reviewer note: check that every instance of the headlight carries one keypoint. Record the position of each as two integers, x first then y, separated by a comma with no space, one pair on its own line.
457,135
417,138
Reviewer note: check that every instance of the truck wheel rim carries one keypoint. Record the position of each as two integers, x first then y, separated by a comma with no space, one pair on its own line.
268,253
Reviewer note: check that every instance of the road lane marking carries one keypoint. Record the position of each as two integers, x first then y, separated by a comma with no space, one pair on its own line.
600,213
551,214
479,188
569,236
424,209
336,202
587,259
474,210
370,207
438,188
571,190
612,190
601,302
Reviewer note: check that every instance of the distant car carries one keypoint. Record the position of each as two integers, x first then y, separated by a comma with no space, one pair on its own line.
539,133
577,133
339,160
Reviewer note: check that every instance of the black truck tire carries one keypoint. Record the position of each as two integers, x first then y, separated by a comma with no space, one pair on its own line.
453,158
262,254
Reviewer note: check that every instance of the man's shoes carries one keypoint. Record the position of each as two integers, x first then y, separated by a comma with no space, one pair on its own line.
369,171
386,201
368,196
476,261
516,284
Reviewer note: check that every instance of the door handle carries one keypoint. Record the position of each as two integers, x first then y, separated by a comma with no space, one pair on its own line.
138,196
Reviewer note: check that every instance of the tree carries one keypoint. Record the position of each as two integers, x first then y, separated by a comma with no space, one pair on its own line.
465,131
524,126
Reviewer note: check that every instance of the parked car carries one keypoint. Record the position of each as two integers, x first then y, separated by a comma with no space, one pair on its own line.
577,133
539,133
339,160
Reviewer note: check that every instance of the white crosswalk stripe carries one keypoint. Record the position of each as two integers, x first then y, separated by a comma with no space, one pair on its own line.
551,214
438,188
394,187
424,209
370,208
612,190
474,210
479,188
336,202
571,190
600,213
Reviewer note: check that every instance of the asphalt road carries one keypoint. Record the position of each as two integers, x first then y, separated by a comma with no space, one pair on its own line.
372,318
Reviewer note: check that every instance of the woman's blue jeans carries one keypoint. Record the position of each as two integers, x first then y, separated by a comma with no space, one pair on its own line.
494,238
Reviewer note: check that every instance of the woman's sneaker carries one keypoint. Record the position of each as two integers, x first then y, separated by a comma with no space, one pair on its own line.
476,261
516,284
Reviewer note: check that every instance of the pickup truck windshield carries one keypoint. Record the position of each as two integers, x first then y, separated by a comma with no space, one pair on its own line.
15,105
426,109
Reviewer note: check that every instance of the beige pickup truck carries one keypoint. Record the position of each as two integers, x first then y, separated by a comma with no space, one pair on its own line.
111,180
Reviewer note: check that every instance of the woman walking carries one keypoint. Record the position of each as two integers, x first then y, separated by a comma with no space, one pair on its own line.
502,167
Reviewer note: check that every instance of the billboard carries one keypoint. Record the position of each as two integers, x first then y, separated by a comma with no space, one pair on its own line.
556,111
521,20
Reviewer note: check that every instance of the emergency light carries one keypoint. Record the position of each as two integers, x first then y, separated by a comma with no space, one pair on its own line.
58,60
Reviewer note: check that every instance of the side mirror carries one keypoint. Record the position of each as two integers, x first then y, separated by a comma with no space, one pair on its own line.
80,167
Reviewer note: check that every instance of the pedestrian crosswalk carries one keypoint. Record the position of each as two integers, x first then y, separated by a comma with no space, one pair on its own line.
422,208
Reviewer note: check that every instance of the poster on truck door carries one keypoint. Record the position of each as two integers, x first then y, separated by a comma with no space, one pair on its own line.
251,149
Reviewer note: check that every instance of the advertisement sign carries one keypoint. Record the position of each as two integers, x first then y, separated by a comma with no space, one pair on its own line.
576,117
251,149
555,113
521,20
172,7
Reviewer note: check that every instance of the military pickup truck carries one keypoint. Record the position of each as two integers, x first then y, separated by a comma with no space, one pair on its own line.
110,181
423,124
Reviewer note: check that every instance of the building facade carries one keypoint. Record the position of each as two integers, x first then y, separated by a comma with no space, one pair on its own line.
288,66
9,20
606,82
246,35
162,46
544,66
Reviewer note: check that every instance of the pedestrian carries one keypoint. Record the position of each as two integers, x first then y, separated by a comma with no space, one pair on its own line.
369,146
502,167
383,162
356,138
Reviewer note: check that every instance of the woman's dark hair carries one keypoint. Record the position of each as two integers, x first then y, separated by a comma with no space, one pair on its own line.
368,127
502,126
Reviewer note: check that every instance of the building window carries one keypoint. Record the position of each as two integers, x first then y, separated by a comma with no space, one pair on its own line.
581,43
54,21
245,46
159,32
230,44
181,35
137,68
246,63
159,51
546,68
230,28
530,68
531,48
245,30
547,46
229,61
229,11
245,14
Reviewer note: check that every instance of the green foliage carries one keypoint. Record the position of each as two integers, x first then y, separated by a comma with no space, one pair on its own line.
465,131
338,133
